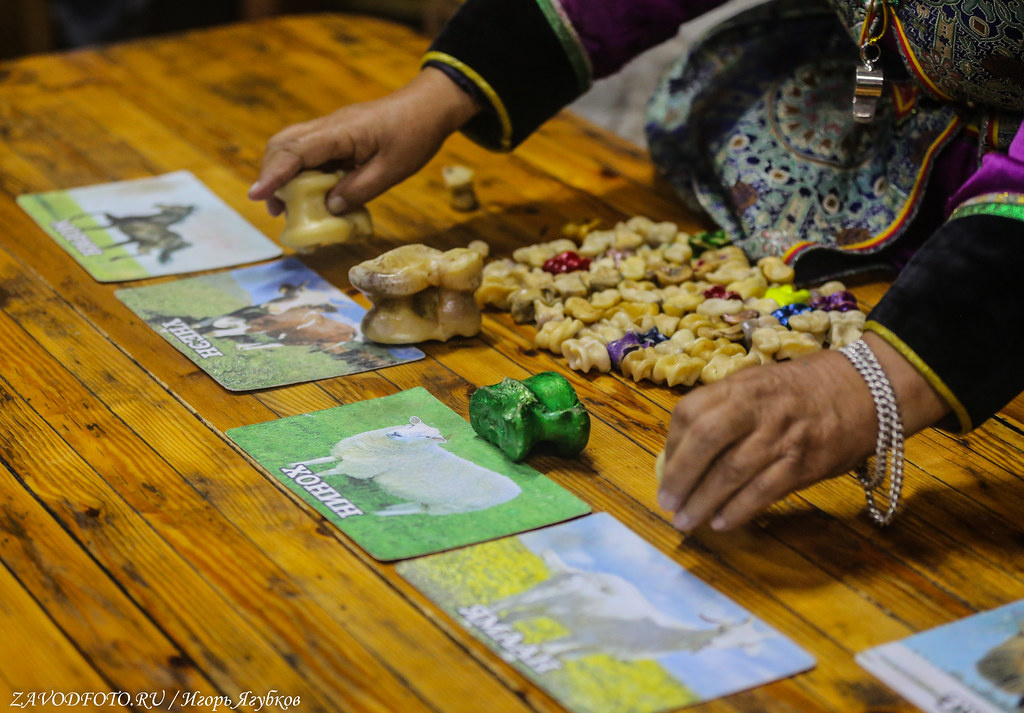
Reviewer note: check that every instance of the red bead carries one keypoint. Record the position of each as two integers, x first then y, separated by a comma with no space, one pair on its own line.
719,292
568,261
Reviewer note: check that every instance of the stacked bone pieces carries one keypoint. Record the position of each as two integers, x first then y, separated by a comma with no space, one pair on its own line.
656,303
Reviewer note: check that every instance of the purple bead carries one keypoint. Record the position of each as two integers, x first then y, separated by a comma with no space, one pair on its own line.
819,302
621,347
842,301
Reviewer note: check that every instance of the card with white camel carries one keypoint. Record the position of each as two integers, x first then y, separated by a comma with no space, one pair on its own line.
159,225
263,326
973,665
404,475
603,621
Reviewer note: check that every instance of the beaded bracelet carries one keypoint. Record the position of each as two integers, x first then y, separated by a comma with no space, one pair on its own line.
889,446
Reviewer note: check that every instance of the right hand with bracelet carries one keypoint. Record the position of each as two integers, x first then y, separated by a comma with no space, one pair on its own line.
736,446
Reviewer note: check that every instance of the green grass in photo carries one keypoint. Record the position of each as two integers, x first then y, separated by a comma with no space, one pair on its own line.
592,684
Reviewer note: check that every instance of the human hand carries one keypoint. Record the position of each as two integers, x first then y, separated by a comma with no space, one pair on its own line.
380,142
738,445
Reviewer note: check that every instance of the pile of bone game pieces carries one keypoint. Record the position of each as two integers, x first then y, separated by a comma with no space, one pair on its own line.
656,303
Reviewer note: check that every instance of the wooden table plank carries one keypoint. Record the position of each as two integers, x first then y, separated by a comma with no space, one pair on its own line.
184,504
47,661
120,528
78,595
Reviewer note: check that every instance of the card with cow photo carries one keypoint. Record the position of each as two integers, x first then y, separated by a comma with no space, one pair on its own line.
602,620
263,326
974,665
162,225
404,475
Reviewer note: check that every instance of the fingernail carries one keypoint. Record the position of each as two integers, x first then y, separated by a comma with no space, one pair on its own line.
336,204
668,501
718,523
683,522
255,187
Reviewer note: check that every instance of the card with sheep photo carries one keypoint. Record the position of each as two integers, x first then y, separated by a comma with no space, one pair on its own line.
144,227
263,326
973,665
404,475
602,620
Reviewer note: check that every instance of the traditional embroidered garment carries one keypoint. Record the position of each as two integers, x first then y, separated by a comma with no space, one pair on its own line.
755,127
765,140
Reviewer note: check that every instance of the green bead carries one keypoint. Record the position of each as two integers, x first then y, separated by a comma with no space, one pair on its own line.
517,416
708,240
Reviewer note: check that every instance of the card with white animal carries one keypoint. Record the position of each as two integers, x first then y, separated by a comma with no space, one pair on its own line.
974,665
262,326
602,620
162,225
404,475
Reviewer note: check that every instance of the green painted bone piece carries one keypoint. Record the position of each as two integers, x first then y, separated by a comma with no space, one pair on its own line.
517,416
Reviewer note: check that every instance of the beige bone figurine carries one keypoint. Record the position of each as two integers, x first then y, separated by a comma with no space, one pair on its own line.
420,293
308,222
461,193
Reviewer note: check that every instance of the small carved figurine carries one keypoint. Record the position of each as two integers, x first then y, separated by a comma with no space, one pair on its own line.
308,222
459,181
420,293
517,416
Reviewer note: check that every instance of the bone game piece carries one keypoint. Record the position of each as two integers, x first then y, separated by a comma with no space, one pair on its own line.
420,293
459,181
309,223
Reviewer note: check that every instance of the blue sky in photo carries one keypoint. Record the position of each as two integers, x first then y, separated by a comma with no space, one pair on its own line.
601,543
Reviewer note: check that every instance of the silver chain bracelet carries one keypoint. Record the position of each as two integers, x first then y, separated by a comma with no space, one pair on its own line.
889,446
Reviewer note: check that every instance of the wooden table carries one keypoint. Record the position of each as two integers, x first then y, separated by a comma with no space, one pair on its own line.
143,552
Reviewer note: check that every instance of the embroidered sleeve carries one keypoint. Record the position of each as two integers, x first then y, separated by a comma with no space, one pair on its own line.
955,312
612,32
526,59
997,188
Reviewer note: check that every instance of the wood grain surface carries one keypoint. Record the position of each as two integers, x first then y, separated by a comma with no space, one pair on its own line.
141,551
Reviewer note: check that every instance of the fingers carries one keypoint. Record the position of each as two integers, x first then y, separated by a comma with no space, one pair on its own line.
744,480
728,466
275,206
735,489
376,154
381,141
738,445
701,429
363,184
302,146
767,486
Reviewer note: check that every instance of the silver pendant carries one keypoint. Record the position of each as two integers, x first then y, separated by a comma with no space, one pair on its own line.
867,89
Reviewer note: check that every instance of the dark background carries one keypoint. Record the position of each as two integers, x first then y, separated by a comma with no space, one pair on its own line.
32,26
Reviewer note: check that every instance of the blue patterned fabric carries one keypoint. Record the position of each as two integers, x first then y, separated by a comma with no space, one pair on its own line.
756,128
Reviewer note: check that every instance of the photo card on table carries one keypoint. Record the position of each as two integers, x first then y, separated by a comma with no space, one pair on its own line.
404,475
973,665
602,620
146,227
262,326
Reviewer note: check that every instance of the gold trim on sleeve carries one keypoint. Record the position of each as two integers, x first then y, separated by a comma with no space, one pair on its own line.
483,86
926,371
